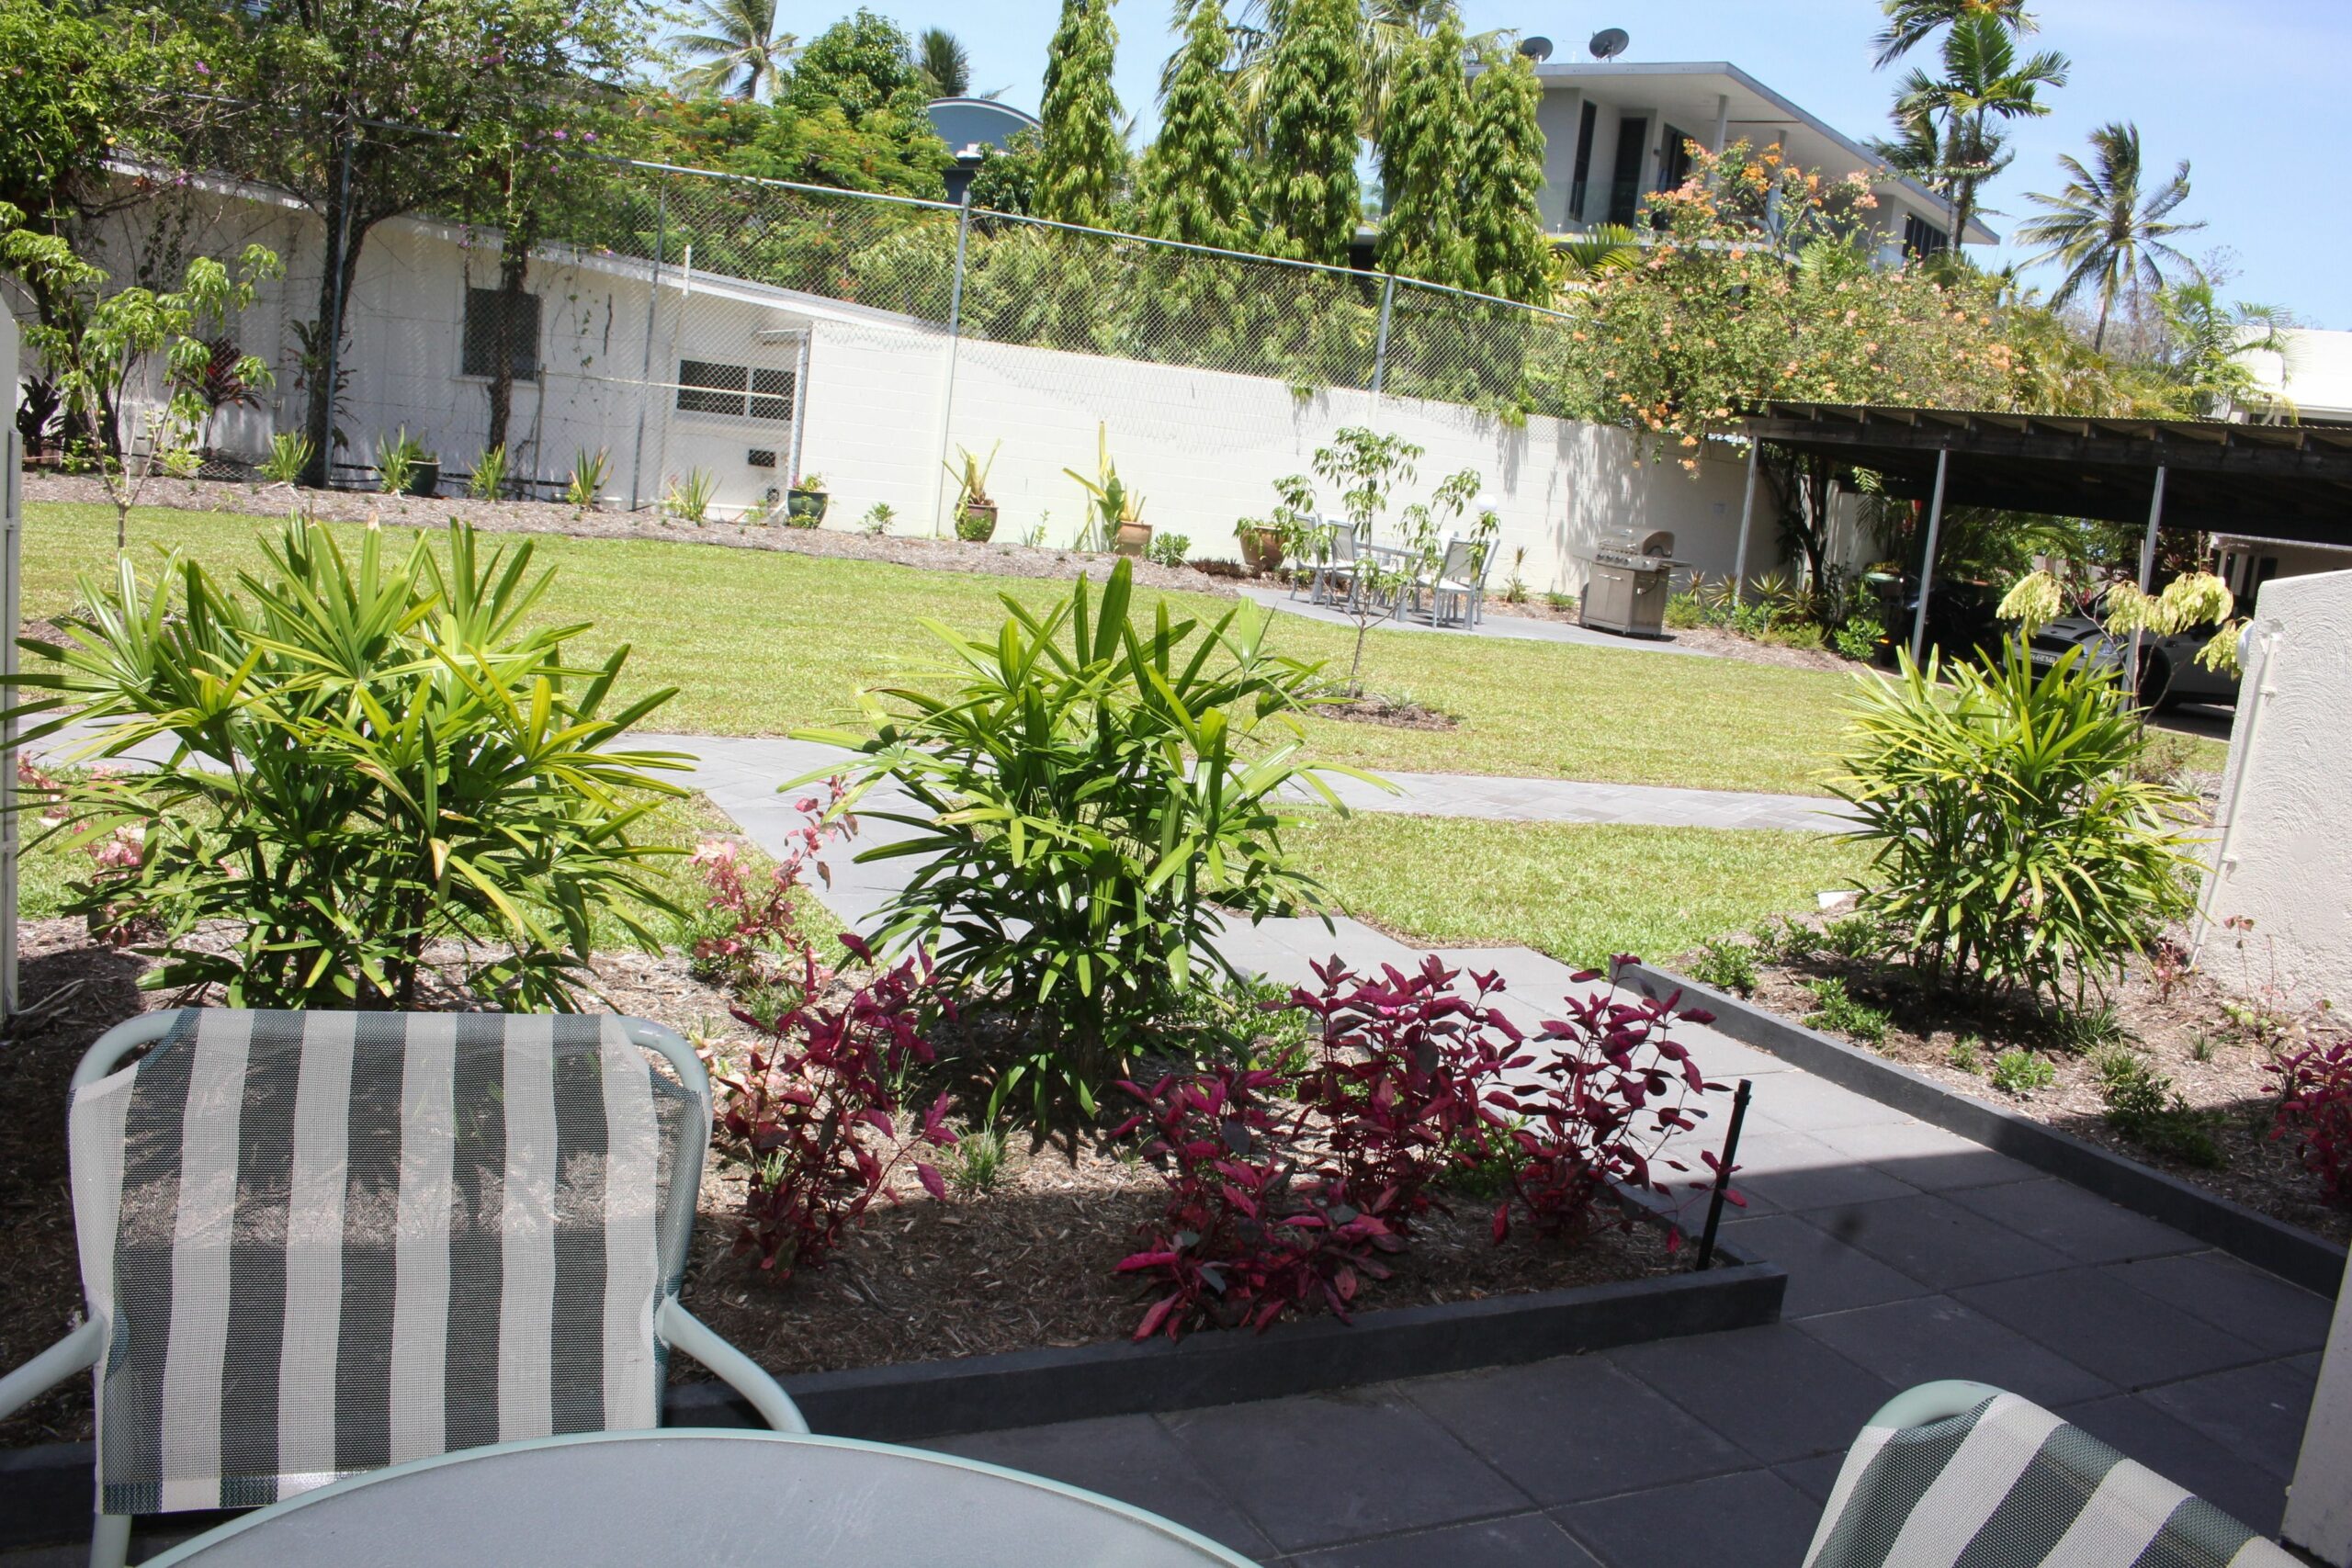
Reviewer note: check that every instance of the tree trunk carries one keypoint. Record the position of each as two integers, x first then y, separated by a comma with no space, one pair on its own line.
342,266
514,266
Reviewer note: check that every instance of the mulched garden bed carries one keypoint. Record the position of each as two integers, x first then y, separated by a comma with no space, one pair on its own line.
995,560
1390,712
1028,1264
2197,1028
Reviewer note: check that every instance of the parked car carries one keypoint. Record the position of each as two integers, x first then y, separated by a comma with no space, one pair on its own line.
1961,619
2169,673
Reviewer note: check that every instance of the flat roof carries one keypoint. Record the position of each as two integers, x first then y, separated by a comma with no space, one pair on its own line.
1752,104
2291,482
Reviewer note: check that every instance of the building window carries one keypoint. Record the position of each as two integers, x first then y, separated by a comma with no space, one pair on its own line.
495,319
1921,238
742,390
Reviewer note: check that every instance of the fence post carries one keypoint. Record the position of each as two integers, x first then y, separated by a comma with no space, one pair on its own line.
645,367
1380,349
954,334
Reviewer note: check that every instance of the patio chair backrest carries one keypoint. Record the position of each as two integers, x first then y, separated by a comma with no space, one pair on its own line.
324,1243
1996,1480
1342,539
1461,561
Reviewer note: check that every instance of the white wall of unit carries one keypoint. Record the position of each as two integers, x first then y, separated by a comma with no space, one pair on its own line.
2285,815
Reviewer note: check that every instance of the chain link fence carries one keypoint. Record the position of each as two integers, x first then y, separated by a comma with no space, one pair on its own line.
683,336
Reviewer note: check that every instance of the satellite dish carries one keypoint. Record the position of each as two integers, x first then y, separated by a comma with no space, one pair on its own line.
1538,49
1609,43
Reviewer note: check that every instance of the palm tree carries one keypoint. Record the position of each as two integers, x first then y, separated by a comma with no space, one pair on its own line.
1983,78
2206,343
1910,23
940,56
740,36
2103,231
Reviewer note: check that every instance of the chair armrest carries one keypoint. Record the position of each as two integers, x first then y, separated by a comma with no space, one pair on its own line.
78,1351
687,1332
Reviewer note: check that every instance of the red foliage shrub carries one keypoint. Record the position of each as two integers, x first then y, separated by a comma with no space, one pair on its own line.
1616,1087
743,921
1407,1078
799,1117
1245,1237
1412,1079
2315,1110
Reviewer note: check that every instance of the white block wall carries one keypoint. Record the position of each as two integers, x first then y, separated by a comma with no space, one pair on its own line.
2285,814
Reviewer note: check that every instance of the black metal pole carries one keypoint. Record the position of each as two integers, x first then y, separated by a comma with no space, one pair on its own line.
1723,1175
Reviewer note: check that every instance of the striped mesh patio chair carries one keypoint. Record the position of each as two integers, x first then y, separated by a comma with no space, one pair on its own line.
1960,1472
317,1244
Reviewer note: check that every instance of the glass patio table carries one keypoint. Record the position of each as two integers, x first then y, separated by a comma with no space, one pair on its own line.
708,1499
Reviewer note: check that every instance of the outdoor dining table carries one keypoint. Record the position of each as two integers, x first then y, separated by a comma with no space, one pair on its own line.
687,1498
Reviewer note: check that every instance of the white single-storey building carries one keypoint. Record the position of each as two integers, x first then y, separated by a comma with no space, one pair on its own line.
672,372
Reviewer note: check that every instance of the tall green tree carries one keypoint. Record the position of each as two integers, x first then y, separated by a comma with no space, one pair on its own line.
1982,80
739,50
1500,219
1314,103
1425,164
2104,230
1196,179
1085,156
331,73
1385,34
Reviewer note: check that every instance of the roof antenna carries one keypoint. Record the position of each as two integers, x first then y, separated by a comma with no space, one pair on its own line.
1609,43
1538,50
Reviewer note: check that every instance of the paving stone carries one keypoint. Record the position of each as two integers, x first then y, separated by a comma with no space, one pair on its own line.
2084,1225
1816,1477
2257,1412
1131,1457
1936,1241
2100,1323
1777,1391
1801,1104
1933,1337
1536,1425
1753,1518
1925,1157
2185,1457
1796,1171
1522,1540
1333,1468
2260,1308
1824,1274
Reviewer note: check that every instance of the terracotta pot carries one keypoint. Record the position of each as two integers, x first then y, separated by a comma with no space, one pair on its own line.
1261,549
1134,539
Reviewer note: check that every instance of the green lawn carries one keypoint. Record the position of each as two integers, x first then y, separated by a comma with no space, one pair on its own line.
757,642
1578,891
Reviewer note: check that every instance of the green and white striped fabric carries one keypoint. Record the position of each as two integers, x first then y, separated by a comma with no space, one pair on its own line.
324,1243
2007,1485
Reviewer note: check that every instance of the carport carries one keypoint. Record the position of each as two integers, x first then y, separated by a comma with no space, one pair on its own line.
2266,481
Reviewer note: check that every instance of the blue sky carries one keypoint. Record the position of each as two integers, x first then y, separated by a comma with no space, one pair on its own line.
2246,91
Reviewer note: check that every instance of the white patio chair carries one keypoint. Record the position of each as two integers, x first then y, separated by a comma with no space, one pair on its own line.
1334,570
1961,1471
319,1243
1457,578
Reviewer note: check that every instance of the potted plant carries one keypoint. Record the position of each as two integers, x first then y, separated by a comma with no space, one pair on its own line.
974,509
1289,532
404,468
1118,512
805,503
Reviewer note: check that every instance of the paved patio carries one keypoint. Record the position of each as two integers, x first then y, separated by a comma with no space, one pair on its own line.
1913,1255
1519,628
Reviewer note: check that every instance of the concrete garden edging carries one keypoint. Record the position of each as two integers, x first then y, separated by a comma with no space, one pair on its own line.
2290,1253
45,1491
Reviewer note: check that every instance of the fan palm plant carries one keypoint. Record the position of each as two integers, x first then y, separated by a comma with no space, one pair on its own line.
2104,231
1983,79
738,45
